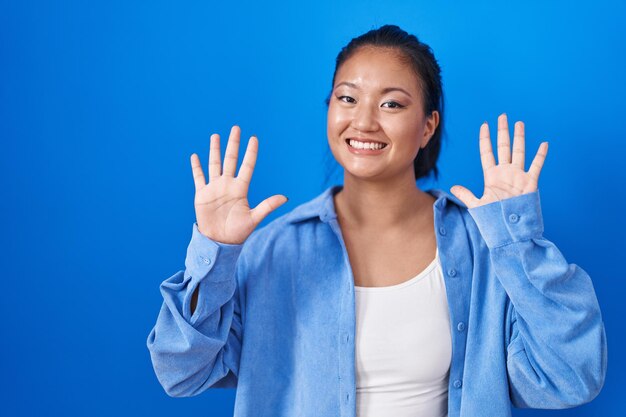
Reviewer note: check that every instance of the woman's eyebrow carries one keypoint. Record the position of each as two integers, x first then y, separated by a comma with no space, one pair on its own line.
390,89
383,91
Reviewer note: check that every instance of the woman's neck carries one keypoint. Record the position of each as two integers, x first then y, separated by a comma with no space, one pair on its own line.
381,205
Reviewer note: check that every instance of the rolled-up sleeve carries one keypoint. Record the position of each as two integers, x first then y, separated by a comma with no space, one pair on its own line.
556,340
193,352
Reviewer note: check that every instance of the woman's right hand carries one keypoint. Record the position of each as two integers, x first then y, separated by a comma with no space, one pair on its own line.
222,210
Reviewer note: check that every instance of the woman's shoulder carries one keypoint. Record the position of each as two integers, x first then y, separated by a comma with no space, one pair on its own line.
448,206
444,198
319,207
452,212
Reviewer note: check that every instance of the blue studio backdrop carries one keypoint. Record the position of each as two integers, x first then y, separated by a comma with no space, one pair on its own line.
102,103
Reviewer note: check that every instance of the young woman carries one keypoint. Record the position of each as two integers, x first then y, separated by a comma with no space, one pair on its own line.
377,298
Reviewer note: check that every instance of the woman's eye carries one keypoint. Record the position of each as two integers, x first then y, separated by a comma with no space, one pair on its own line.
393,105
346,99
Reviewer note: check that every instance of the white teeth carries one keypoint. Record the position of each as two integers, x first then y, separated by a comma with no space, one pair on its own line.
365,145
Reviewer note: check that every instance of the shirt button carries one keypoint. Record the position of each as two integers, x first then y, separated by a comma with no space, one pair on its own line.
347,397
347,337
442,230
206,260
457,383
513,218
452,272
461,326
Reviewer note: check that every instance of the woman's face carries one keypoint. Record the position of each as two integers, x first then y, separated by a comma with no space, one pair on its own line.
377,98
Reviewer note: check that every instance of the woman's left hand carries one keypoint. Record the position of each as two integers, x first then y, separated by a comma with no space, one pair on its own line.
507,178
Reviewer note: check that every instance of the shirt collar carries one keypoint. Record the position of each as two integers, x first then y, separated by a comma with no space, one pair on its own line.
323,206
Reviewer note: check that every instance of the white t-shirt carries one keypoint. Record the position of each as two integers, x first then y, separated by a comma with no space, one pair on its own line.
403,347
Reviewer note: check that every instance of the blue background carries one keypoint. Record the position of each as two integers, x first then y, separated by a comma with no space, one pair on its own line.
102,103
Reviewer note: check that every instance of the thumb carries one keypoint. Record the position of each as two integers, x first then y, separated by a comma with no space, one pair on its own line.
465,195
266,206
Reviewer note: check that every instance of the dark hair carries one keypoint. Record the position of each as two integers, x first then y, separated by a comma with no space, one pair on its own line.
422,60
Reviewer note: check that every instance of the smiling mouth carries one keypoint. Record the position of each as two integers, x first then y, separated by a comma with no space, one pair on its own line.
355,144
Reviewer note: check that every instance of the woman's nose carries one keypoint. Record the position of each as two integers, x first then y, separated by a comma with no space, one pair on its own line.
364,118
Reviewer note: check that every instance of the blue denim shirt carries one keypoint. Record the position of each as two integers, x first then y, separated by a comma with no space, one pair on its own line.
276,315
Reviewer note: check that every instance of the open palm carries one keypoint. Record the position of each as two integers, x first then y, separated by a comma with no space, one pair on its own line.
222,209
508,178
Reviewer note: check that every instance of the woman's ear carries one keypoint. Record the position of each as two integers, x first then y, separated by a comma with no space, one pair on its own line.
431,125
